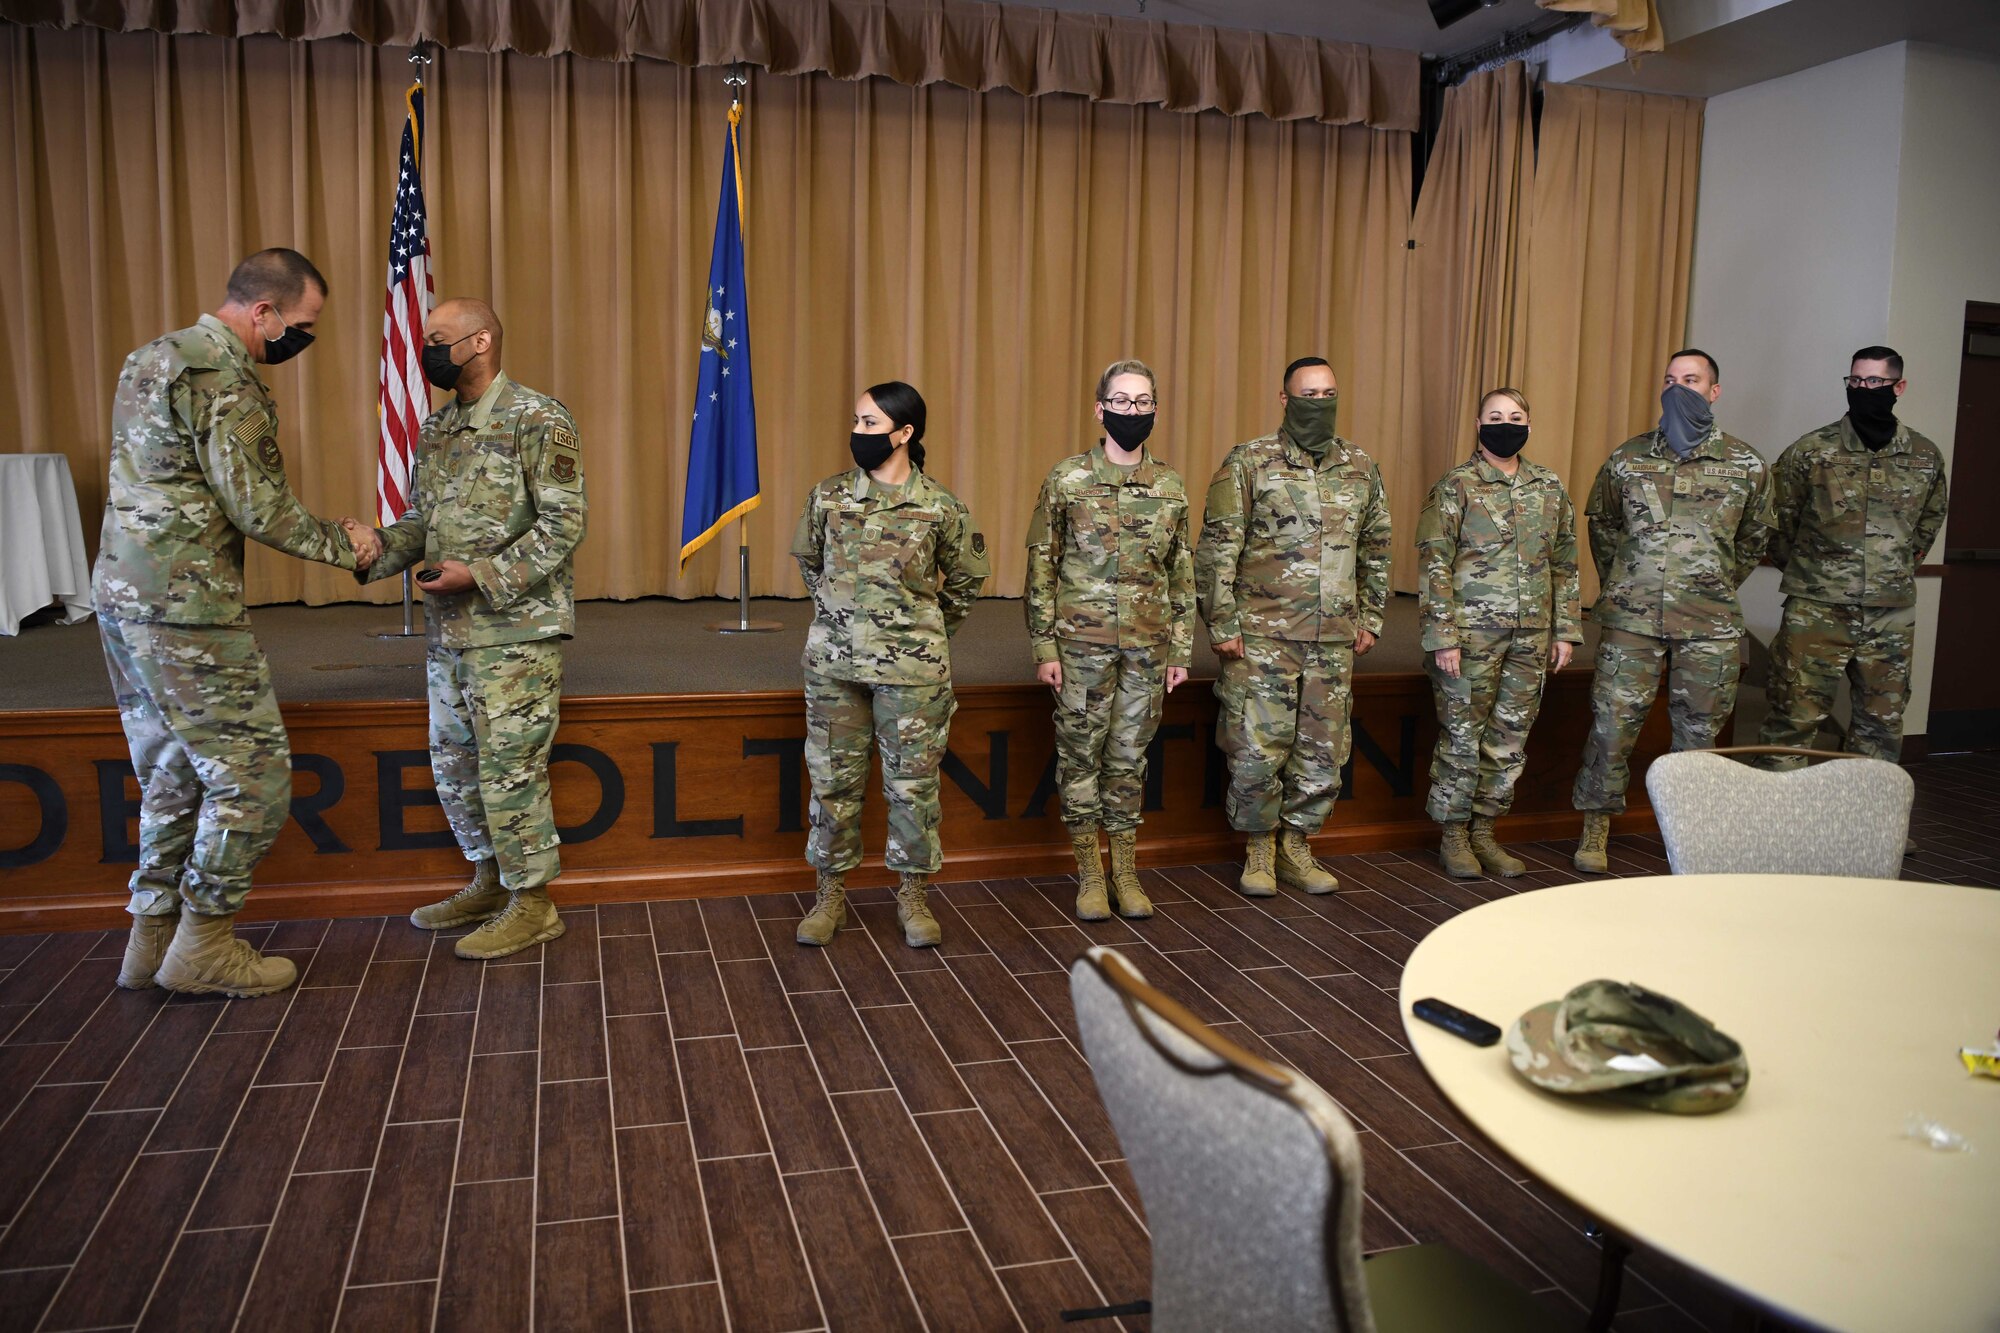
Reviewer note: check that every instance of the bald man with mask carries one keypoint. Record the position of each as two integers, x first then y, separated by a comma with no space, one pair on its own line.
497,509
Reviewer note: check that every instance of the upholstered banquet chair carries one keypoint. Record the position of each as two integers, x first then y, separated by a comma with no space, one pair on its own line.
1251,1180
1718,816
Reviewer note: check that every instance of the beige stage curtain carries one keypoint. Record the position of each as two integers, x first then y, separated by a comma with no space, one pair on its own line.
1635,23
993,249
1467,310
981,46
1610,253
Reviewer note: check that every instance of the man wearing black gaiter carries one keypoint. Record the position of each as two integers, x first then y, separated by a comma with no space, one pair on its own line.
1859,503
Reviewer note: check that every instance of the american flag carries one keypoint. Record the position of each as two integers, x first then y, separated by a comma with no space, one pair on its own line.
405,399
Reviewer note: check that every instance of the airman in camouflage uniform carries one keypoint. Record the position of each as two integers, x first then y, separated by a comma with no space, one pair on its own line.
1497,547
1291,575
496,512
195,468
1110,604
1859,503
893,566
1674,531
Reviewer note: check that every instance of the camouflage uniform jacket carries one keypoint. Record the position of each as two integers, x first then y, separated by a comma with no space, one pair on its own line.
1109,558
892,573
195,468
1293,551
1673,540
1854,525
499,487
1498,552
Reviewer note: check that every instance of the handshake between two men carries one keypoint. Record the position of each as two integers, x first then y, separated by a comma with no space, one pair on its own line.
447,576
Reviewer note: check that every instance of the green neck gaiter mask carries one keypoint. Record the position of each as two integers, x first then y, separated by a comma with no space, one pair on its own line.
1309,423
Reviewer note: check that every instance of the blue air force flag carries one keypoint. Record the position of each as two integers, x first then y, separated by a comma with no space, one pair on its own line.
722,442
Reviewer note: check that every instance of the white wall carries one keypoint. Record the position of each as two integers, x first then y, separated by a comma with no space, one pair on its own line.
1853,203
1794,243
1947,253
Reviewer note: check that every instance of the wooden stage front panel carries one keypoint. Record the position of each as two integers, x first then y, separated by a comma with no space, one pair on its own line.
672,796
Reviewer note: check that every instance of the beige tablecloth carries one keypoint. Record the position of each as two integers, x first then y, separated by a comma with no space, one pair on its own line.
41,540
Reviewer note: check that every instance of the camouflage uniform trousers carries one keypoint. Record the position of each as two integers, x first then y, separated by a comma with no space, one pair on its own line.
1484,716
493,720
1701,694
1816,642
1106,713
910,724
213,761
1283,726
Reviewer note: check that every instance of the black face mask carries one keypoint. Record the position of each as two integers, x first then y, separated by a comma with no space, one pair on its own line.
1873,412
1128,430
286,345
870,451
1502,439
439,368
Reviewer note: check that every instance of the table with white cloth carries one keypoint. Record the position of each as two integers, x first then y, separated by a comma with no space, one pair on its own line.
41,541
1851,998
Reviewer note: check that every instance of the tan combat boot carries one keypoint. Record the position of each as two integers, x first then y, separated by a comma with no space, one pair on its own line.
1495,858
920,928
1132,900
1591,857
206,958
1298,867
1456,853
144,948
829,911
528,919
1091,902
1259,878
482,898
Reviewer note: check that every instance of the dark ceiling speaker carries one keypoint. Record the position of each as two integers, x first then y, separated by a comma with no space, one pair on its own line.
1447,12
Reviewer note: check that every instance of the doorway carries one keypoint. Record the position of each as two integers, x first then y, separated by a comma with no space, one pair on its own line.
1965,698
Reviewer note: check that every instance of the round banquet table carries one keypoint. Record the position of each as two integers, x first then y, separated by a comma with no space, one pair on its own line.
1851,998
41,541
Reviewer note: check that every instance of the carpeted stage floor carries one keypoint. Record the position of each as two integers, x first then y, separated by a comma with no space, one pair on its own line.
651,646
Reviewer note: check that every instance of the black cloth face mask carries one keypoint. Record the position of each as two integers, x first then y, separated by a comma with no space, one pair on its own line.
439,368
1128,430
870,451
286,345
1873,412
1502,439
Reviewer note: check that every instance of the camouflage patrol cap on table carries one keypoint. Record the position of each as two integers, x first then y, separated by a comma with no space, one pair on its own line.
1631,1044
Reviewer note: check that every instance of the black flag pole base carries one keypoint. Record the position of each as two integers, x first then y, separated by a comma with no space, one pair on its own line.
743,624
413,627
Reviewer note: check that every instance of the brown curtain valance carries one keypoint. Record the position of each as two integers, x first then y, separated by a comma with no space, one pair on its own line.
1133,62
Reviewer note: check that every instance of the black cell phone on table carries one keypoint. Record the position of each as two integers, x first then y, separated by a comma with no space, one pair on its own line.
1456,1021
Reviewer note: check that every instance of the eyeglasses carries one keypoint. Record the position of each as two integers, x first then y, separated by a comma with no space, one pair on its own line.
1317,393
1125,404
1866,382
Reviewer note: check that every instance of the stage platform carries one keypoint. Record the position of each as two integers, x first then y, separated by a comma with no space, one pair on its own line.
323,654
679,768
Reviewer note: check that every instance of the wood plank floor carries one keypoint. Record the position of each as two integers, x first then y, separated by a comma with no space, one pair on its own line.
674,1117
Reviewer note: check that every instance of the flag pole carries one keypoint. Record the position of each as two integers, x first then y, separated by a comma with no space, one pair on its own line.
737,77
418,59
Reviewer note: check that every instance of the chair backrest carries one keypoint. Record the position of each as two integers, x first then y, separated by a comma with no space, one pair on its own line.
1718,816
1249,1173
